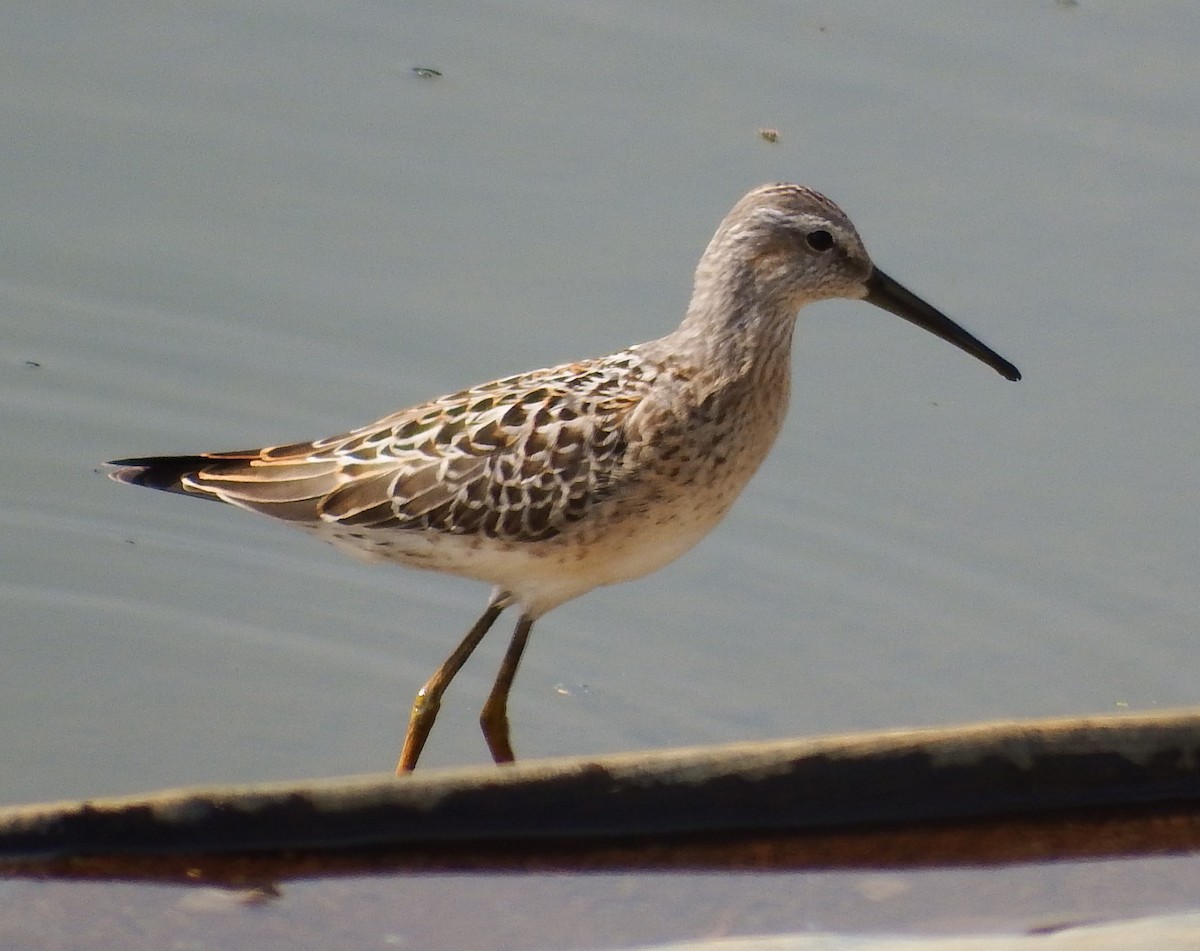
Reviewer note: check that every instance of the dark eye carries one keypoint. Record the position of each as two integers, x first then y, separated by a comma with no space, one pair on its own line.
819,240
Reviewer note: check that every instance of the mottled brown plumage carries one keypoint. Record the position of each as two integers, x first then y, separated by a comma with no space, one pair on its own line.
553,482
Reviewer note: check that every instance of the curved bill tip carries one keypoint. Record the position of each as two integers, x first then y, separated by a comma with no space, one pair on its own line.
896,299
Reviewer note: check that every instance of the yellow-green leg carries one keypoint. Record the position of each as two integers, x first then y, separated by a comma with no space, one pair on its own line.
494,716
429,698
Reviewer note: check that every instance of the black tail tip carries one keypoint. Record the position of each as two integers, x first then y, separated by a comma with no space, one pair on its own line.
155,472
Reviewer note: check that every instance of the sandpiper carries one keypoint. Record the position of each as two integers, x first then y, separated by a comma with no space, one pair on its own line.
553,482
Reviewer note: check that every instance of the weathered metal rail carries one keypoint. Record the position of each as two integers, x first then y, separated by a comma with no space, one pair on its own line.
998,792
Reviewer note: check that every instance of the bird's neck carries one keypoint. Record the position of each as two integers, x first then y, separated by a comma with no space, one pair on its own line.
734,335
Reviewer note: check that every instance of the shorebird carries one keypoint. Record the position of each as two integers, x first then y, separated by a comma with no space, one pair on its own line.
550,483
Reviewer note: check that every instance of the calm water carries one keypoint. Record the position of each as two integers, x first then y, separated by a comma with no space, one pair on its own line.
230,226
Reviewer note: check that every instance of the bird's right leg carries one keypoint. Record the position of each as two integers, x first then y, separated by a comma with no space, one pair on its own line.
429,698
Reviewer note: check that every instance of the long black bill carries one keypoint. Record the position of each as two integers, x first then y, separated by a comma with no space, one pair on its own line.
895,298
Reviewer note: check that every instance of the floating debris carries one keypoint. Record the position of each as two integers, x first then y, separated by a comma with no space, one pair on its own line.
769,135
426,72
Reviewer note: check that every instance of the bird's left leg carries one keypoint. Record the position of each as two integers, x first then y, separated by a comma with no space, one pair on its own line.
493,718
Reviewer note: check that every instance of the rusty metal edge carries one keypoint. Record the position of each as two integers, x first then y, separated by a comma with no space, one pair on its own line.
924,794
